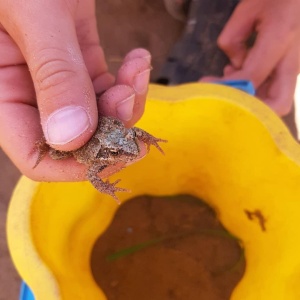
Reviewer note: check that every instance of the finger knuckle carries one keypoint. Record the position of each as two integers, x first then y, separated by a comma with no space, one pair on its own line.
283,105
223,42
285,108
51,70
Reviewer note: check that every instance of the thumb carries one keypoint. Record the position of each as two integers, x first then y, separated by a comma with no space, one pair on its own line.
46,35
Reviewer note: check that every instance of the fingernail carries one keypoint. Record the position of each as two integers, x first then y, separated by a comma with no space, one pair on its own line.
66,124
125,108
141,81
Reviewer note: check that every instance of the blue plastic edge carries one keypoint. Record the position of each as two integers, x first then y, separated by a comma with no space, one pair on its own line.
26,293
244,85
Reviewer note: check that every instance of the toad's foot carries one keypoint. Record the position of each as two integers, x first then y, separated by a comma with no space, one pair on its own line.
108,188
104,186
42,148
149,139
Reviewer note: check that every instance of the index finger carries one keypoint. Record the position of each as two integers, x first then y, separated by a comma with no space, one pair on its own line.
268,49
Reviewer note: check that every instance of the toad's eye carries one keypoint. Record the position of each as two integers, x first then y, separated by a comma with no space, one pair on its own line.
113,152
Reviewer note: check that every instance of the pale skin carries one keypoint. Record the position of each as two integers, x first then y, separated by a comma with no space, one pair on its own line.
272,64
51,60
58,42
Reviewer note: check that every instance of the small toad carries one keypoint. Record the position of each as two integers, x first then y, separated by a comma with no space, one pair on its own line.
111,143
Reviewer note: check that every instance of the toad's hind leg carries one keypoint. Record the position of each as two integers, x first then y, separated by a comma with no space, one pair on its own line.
43,149
148,139
104,186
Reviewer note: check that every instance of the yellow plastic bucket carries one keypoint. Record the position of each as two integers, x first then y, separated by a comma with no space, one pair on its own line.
225,147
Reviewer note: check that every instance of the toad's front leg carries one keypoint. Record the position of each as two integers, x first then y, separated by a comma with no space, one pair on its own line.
148,138
103,186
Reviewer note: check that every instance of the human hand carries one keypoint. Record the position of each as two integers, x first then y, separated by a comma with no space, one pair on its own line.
51,66
272,63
